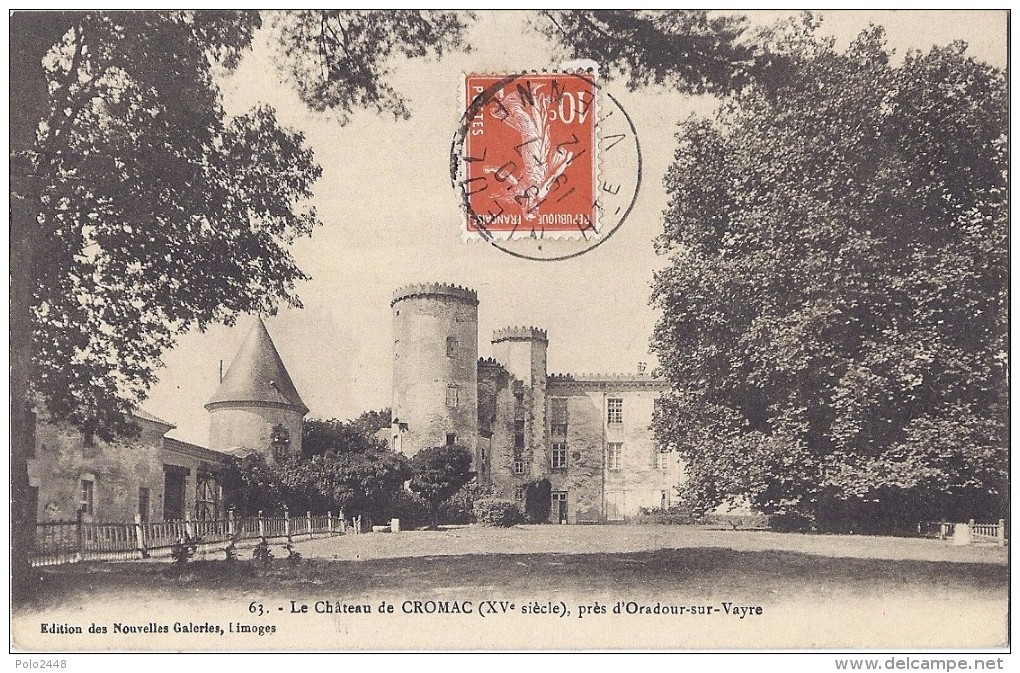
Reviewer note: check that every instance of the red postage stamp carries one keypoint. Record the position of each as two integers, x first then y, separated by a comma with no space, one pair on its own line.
530,156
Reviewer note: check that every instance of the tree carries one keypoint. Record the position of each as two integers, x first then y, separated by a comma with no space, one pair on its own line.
438,472
121,158
343,467
339,59
359,483
834,313
251,486
691,51
356,436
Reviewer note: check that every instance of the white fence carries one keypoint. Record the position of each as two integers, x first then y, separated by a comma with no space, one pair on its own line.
58,542
964,533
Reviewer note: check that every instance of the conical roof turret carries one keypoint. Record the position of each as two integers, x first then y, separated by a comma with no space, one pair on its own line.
257,375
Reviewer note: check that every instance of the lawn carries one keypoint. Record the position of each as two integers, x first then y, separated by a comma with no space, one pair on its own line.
813,591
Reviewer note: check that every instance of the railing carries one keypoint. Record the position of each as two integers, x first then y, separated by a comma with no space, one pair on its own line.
964,533
942,530
58,542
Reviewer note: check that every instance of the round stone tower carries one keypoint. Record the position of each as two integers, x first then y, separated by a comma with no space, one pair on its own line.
256,407
435,367
523,351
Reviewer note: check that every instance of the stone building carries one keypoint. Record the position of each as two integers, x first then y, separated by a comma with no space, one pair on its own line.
151,475
589,435
256,408
435,366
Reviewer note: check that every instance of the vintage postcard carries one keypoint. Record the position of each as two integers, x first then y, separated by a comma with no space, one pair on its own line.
565,330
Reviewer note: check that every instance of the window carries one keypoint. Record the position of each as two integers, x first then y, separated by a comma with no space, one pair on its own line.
86,504
518,467
451,346
451,438
558,416
280,440
559,456
521,493
662,460
615,410
452,397
519,434
614,456
143,503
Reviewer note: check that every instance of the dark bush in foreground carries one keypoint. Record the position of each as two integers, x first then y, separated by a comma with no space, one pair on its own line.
791,522
497,512
459,509
538,500
412,511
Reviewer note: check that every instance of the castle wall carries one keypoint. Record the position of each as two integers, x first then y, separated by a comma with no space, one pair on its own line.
496,416
597,490
511,412
435,367
581,479
643,479
523,351
249,426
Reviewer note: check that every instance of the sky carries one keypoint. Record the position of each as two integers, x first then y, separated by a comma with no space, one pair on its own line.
390,217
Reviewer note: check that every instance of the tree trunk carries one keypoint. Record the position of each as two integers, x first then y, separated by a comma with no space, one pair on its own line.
32,34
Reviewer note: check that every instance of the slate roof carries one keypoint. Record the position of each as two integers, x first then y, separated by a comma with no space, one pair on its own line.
258,374
146,416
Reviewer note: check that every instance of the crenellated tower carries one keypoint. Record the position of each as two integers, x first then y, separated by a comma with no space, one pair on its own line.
523,351
435,367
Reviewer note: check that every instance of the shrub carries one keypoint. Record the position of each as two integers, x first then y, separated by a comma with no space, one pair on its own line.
497,512
459,509
791,522
230,551
184,549
671,516
412,511
538,501
262,553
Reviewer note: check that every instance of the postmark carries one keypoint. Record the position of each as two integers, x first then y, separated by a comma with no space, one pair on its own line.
529,163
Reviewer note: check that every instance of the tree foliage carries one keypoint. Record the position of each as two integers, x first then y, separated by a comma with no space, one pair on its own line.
834,314
336,436
340,59
438,472
251,486
139,211
359,483
362,478
158,213
693,51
